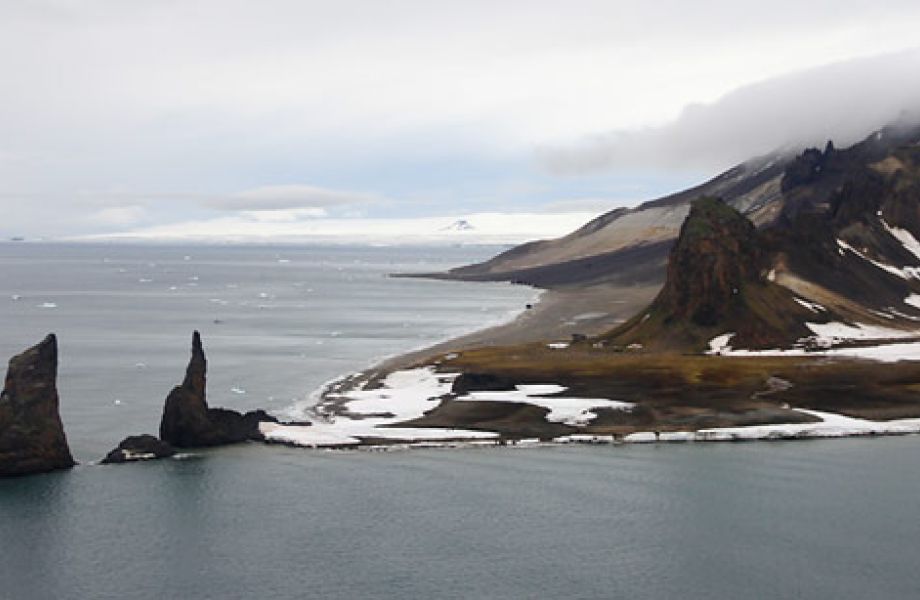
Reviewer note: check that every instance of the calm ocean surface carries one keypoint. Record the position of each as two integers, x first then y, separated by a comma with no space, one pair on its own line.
815,519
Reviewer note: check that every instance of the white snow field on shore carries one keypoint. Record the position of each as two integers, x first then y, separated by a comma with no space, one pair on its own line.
405,395
831,425
827,339
566,410
409,394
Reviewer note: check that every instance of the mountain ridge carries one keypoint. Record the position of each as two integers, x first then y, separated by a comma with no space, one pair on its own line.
763,188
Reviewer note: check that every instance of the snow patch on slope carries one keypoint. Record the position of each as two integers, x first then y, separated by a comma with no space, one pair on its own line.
902,272
906,238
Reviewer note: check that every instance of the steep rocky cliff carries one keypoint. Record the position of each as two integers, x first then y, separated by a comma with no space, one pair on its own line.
32,436
717,281
188,421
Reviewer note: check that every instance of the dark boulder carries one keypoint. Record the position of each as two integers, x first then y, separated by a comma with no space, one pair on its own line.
188,422
32,436
139,447
466,383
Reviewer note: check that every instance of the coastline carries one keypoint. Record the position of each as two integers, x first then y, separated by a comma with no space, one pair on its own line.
533,347
555,314
398,414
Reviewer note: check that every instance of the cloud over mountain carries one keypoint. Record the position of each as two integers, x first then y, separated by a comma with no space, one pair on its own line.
844,101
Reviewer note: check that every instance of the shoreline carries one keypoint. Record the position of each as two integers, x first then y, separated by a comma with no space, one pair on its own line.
833,427
540,337
556,314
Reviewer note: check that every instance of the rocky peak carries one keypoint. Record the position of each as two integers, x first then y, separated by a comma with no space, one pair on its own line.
185,414
716,283
716,254
195,381
188,422
32,436
808,166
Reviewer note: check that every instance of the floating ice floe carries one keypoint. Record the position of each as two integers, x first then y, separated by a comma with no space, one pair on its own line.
565,410
47,305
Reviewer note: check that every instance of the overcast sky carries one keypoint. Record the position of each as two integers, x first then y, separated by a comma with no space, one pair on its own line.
119,115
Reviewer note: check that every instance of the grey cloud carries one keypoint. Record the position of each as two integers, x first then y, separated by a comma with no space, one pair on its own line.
844,102
285,197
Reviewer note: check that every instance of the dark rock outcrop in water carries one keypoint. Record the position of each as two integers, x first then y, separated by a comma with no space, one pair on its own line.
139,447
32,436
188,422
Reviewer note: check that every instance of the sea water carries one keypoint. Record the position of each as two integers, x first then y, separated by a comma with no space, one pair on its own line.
810,519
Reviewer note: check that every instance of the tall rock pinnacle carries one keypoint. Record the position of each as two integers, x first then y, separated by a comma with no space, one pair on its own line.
32,436
188,422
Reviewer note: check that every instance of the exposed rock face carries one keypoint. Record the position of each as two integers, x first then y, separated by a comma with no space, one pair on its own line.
188,422
716,283
715,256
32,436
139,447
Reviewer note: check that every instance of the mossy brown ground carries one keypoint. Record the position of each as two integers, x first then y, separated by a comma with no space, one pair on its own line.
677,391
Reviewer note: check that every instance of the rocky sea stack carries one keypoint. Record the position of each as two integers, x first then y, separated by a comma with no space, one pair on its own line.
188,422
32,436
717,281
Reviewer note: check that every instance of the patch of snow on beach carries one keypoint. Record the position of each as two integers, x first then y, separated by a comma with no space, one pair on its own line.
829,336
831,425
404,395
566,410
836,331
720,343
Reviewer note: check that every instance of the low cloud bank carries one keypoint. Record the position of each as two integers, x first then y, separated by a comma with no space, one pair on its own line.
844,101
